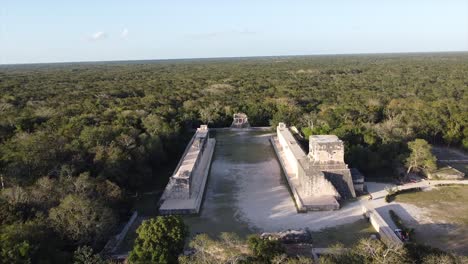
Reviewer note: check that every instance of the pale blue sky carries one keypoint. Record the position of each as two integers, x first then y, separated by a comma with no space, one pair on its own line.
93,30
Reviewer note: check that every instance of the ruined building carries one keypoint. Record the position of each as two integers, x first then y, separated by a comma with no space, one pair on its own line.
240,120
319,178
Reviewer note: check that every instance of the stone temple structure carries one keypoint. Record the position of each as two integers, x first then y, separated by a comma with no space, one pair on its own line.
240,120
319,178
184,192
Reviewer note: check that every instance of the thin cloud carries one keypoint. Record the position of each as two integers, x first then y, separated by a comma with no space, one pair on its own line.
234,32
124,33
98,35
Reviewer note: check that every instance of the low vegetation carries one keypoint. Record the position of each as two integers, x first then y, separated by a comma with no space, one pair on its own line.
332,235
374,251
231,249
442,201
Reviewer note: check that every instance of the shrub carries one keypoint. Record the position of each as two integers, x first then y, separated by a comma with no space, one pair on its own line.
263,249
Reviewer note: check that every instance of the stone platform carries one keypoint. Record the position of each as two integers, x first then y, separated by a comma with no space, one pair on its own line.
192,205
303,203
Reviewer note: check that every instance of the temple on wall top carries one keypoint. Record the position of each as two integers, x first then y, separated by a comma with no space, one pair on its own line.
318,178
240,120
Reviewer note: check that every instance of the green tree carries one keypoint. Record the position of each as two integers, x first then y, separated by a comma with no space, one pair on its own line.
82,220
421,157
160,240
229,248
86,255
30,242
264,249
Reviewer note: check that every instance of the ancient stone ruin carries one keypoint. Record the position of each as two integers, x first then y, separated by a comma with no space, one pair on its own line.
184,192
358,181
319,178
240,120
326,154
289,236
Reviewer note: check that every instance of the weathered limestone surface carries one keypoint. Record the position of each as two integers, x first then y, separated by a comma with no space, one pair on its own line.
317,179
303,203
326,154
311,192
184,192
358,180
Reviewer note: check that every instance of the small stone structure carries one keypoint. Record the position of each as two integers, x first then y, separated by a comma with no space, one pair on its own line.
358,180
240,120
387,234
184,192
317,179
289,236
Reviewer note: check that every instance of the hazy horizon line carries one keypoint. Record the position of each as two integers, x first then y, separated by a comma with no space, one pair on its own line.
234,57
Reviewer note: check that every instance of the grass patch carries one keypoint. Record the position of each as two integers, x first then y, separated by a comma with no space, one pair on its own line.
448,209
448,203
449,184
347,234
392,195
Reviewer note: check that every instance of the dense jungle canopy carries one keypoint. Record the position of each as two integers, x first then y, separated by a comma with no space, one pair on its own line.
81,135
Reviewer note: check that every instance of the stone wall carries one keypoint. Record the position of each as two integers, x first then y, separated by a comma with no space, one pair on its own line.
315,184
322,171
292,150
175,199
180,183
387,235
326,149
326,154
306,205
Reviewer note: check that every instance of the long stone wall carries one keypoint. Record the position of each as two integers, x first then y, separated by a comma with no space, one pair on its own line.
386,233
320,176
292,151
311,192
184,192
318,203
